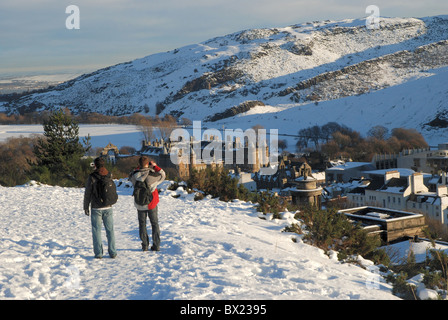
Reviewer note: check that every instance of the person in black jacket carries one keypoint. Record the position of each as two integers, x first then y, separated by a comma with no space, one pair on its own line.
99,214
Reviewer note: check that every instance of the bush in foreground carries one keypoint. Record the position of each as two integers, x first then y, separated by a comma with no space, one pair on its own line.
330,230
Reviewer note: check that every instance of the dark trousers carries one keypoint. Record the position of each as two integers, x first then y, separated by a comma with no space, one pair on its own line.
153,218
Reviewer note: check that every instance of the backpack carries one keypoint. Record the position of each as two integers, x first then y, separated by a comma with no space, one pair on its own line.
142,193
105,191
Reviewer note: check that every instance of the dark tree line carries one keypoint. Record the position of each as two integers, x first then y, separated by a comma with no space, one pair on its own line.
335,140
39,117
318,134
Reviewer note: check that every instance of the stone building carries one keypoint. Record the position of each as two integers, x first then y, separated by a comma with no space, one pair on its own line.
404,193
423,160
110,153
198,155
347,171
295,181
288,171
390,225
307,192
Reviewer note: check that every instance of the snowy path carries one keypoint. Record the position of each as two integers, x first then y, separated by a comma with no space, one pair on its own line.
210,250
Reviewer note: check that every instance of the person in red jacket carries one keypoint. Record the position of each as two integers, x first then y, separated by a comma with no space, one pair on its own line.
153,175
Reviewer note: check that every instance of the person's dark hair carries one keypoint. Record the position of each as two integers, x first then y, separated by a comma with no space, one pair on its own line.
99,162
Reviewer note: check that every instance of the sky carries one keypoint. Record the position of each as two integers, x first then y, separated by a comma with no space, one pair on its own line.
34,38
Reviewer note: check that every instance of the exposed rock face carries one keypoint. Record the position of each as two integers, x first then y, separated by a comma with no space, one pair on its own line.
367,75
241,108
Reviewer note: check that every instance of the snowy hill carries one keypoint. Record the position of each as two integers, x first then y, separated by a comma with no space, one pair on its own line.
341,66
418,104
211,250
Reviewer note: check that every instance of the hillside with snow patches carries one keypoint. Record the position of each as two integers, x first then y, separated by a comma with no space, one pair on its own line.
299,75
210,250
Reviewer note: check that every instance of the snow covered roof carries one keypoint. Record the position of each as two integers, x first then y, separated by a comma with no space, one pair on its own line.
313,176
382,172
350,165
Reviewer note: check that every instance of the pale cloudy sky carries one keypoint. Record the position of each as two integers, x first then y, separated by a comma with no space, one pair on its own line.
34,37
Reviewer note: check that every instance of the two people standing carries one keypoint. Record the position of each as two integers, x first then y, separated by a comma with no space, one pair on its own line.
148,173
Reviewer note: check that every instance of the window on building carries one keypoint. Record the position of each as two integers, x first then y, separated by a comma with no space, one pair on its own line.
416,162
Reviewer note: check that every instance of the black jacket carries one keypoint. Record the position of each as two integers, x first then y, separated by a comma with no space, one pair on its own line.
89,196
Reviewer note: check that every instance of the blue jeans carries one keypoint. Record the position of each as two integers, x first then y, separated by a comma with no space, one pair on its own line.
98,218
153,218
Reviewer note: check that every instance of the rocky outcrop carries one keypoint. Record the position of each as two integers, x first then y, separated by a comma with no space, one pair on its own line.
368,75
241,108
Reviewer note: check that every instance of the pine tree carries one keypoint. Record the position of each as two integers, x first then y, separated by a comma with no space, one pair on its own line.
58,153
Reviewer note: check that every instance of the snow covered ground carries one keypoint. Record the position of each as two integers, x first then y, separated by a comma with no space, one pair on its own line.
400,251
211,250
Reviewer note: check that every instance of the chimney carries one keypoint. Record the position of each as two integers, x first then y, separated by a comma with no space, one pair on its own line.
391,174
442,190
416,183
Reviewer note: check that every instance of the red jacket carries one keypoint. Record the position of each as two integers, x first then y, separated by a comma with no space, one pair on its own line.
155,194
139,174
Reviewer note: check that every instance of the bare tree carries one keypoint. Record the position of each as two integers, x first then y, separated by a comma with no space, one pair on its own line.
378,132
282,144
166,126
146,127
315,135
186,122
